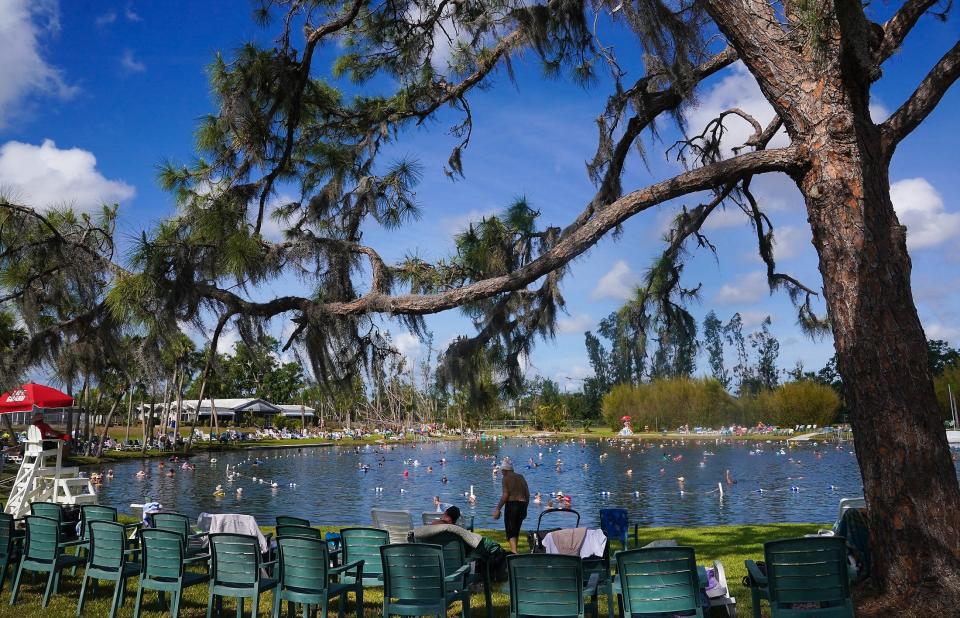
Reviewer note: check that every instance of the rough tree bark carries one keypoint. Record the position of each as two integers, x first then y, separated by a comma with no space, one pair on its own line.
821,90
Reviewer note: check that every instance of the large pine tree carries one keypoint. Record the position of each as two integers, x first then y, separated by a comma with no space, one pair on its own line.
282,122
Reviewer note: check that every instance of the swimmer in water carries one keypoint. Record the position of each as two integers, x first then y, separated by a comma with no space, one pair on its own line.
110,473
536,498
729,478
443,480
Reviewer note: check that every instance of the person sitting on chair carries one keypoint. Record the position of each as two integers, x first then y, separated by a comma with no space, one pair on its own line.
48,433
450,516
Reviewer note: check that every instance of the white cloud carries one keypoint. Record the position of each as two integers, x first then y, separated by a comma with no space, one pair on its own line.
920,207
23,23
131,15
575,324
619,283
722,218
746,290
227,339
572,379
131,64
409,346
788,241
46,176
878,111
950,334
106,19
737,89
752,319
459,223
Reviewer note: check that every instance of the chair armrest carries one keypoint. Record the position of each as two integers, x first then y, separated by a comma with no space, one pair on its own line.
268,563
591,588
74,543
755,574
136,525
356,564
200,558
459,574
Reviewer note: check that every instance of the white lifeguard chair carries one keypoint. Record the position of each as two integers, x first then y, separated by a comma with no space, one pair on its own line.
42,478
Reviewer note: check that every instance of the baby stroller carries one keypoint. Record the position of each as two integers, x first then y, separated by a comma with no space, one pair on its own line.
535,538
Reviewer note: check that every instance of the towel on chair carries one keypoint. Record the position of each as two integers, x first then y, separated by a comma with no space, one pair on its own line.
566,542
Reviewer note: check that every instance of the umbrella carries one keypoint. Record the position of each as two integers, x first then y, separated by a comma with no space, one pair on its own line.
625,418
24,398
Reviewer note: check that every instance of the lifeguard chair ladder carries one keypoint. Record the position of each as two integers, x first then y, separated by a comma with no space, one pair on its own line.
42,478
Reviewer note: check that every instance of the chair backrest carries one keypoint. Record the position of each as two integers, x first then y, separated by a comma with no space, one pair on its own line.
454,552
660,580
6,535
364,544
615,523
304,563
301,531
43,538
285,520
413,572
807,570
174,522
235,560
163,554
397,523
107,542
90,513
47,509
545,585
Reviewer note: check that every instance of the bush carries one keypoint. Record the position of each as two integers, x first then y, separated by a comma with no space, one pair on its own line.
670,403
552,416
803,403
951,376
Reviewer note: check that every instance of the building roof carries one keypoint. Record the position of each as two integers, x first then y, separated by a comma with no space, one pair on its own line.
235,405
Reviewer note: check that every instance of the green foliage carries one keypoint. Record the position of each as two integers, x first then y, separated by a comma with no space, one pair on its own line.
949,376
669,403
801,403
550,416
703,402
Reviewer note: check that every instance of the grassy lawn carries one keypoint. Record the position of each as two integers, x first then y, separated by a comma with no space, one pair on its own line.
729,544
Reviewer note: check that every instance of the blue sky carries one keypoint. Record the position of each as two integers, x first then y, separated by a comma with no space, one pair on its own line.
94,94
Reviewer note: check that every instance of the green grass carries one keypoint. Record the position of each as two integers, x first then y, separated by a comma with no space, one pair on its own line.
729,544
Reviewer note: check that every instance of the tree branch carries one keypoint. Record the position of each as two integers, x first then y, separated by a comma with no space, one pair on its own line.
923,100
790,159
897,28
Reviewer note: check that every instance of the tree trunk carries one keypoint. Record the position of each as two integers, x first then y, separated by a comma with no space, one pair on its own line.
909,480
107,423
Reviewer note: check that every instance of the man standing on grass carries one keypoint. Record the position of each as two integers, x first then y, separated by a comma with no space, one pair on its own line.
515,498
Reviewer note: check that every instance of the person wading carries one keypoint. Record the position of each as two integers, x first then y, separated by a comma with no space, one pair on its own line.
515,498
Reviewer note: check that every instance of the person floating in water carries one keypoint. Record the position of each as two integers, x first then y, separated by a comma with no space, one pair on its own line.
729,478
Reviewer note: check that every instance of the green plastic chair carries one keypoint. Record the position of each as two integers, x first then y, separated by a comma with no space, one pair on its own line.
164,569
90,513
11,545
176,522
658,581
416,584
805,571
287,530
237,571
44,553
55,511
364,544
549,585
455,556
286,520
305,578
108,560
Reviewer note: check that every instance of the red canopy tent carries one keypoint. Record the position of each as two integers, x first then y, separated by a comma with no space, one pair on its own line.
24,398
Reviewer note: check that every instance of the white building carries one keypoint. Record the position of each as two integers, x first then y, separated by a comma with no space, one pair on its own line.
293,410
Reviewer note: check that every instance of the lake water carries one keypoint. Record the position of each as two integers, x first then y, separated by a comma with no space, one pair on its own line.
774,481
